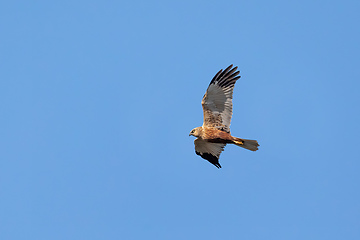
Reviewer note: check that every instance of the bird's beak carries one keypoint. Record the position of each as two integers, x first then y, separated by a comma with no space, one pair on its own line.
190,134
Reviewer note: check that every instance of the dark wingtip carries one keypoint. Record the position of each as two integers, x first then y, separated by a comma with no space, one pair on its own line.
227,77
228,68
209,157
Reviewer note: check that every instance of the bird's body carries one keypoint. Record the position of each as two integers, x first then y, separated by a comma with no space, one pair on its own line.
214,135
217,106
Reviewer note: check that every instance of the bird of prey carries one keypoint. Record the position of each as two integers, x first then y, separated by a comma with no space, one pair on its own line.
214,134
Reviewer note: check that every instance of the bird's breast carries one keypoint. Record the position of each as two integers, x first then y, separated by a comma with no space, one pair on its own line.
215,135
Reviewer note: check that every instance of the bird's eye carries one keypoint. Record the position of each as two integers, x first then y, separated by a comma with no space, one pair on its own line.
192,131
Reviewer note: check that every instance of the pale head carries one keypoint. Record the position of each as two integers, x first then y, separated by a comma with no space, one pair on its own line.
196,132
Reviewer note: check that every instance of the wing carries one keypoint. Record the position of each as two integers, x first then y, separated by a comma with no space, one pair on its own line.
209,151
217,101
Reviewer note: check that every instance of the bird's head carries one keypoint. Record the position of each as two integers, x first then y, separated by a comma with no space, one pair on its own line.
195,132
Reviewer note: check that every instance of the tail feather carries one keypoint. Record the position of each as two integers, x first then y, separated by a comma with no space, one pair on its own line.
251,145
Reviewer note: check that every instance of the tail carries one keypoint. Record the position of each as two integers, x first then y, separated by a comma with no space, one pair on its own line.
251,145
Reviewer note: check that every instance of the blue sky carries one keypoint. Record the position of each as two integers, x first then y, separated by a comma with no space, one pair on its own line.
98,99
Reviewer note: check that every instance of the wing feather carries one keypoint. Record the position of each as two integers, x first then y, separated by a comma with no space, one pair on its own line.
209,151
217,101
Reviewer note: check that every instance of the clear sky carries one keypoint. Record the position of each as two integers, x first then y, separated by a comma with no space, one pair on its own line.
97,100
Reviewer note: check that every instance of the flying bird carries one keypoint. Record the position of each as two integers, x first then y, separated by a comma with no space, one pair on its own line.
214,134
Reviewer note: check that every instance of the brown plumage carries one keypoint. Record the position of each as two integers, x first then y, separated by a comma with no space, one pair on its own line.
214,134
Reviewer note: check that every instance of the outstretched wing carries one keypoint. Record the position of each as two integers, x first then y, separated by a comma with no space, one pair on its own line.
209,151
217,101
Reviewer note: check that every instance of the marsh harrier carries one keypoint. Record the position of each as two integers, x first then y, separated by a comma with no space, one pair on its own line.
214,134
